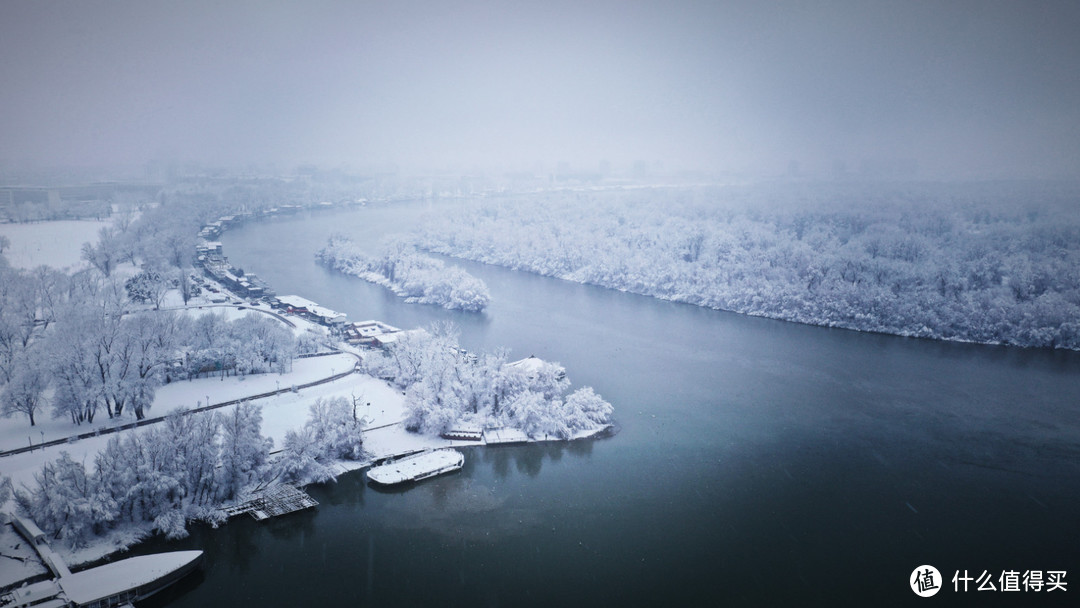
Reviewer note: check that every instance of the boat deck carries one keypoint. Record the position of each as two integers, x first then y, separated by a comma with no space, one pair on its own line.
420,466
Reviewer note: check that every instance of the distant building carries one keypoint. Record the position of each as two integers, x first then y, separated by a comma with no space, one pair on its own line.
385,340
365,332
307,309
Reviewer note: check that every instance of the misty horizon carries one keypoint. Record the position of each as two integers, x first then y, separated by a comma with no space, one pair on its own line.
933,90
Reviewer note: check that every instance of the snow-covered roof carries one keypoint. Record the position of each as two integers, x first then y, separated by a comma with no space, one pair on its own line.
28,527
388,338
325,313
297,302
368,329
111,579
34,593
529,365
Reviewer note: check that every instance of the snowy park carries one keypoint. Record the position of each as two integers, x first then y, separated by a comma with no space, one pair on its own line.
196,403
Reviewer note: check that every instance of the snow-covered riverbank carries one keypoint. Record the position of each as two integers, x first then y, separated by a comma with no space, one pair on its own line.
383,408
410,275
381,405
986,263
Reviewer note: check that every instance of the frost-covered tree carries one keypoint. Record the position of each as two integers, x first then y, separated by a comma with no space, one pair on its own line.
584,409
149,286
67,502
24,393
185,286
445,386
103,254
251,344
334,424
196,440
303,459
244,450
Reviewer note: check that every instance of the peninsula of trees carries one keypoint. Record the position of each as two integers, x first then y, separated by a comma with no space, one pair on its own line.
411,275
447,387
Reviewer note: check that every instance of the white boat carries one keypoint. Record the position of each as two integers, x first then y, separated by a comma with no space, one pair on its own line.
428,463
127,580
115,584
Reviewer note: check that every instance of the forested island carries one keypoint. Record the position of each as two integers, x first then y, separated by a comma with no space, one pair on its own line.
416,277
995,263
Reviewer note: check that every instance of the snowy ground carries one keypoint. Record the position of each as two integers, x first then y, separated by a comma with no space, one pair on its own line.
16,432
57,244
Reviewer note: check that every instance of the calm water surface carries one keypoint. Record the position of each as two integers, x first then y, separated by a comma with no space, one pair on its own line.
758,463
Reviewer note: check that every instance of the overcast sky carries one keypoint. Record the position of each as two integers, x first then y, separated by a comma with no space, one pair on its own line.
975,88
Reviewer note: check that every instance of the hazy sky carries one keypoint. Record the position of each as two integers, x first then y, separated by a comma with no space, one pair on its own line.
975,88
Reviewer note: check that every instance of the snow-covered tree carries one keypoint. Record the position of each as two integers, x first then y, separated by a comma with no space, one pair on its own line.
196,440
67,502
963,262
103,254
445,386
186,287
584,409
244,450
149,286
303,459
24,393
334,424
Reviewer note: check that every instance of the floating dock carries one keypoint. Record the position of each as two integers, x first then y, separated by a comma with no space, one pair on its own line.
428,463
505,436
464,433
280,499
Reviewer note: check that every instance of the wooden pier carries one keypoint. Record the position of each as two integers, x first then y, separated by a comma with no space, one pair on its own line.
280,499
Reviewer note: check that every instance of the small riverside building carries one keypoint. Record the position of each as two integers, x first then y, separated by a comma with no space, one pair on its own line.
365,332
310,310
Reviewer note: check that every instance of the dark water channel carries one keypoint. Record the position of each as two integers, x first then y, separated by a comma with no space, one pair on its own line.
759,462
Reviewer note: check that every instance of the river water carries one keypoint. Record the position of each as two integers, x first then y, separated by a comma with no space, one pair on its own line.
758,462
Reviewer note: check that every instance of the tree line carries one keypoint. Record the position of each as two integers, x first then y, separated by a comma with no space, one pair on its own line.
75,346
986,262
165,476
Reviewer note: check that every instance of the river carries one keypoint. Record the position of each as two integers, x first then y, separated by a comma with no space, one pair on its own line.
758,462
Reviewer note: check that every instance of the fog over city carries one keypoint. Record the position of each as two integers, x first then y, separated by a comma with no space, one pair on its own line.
964,89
